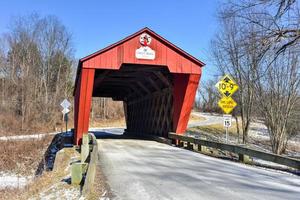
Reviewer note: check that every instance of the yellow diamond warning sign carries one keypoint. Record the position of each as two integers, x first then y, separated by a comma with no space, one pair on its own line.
227,86
227,104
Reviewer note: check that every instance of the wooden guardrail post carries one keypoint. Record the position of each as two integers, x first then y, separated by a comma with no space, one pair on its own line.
189,146
245,159
180,143
199,147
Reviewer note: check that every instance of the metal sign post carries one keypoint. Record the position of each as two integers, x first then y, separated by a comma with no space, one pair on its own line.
65,105
66,119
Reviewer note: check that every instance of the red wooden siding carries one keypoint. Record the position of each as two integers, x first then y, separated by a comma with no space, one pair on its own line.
125,53
185,70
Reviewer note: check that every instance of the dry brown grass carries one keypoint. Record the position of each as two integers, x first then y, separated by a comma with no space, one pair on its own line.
10,124
293,147
108,123
45,181
217,129
23,157
197,118
54,182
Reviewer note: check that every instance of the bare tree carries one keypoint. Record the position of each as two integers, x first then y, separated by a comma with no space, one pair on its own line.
36,73
278,94
256,38
37,70
208,97
278,20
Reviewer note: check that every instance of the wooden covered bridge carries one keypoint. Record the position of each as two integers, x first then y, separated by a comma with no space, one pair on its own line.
156,80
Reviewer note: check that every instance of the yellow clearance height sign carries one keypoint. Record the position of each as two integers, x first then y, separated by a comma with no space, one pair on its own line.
227,86
227,104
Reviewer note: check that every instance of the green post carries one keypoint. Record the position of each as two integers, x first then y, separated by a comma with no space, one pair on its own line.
245,159
76,173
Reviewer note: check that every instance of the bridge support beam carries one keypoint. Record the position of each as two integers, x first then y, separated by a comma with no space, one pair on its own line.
185,87
83,99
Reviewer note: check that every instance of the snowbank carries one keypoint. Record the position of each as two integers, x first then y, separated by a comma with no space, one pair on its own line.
10,180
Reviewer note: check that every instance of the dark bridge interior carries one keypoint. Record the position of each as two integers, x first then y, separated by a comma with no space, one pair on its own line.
146,92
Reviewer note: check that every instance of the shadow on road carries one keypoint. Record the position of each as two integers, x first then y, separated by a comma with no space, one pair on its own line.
115,133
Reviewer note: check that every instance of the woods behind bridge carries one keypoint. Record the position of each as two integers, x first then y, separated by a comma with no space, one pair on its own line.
37,68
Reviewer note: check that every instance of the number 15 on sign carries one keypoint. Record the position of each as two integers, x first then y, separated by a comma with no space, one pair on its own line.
227,124
227,120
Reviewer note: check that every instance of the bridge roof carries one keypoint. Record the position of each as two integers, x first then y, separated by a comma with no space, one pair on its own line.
114,56
153,34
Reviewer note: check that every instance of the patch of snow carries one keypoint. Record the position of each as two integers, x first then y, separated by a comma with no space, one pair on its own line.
210,118
105,128
38,136
103,196
60,190
10,180
259,131
27,137
57,192
42,135
268,163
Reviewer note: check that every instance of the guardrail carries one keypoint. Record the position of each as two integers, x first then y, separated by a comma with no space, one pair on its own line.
84,170
91,171
238,149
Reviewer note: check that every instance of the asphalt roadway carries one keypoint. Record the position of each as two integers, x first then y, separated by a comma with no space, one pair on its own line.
141,169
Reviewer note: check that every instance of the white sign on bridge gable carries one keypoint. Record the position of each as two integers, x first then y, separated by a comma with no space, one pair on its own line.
145,52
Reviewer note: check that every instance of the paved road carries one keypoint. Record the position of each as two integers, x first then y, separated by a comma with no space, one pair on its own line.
139,169
209,119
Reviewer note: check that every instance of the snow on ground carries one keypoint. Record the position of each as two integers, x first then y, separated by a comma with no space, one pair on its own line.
27,137
209,119
259,131
269,164
10,180
41,135
58,191
258,135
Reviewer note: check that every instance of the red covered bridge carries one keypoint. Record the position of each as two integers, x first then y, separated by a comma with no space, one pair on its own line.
156,80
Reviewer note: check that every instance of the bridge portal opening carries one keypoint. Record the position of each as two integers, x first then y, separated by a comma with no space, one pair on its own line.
146,92
105,112
155,80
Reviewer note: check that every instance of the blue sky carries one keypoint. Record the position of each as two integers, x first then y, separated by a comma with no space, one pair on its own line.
189,24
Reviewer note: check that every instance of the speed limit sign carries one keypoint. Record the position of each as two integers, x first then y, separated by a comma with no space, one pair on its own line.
227,120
